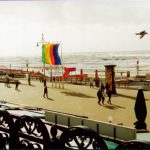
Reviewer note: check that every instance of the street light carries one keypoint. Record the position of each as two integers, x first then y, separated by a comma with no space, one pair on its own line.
27,64
10,70
110,119
42,42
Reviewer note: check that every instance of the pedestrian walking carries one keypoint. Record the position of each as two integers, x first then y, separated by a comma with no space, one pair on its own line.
45,92
103,93
97,82
44,81
109,96
102,87
17,84
91,83
7,82
29,79
99,95
108,92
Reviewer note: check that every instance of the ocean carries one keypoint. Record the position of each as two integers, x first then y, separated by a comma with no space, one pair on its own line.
89,61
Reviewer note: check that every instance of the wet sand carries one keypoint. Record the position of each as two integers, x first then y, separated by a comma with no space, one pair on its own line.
77,99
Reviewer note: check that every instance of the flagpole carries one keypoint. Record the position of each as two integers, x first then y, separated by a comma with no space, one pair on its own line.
42,42
62,66
42,45
61,52
52,75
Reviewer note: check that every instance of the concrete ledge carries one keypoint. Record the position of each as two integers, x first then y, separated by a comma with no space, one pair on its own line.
106,129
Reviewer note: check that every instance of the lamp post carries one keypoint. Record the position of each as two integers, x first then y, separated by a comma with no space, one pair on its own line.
62,79
10,70
110,119
42,42
137,67
27,64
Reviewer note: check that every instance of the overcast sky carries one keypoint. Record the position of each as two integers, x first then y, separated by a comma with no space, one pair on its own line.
81,25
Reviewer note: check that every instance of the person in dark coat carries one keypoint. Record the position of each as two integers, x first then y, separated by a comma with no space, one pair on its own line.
107,86
102,87
108,92
99,95
17,84
91,83
8,82
29,79
109,96
103,94
45,91
44,81
97,82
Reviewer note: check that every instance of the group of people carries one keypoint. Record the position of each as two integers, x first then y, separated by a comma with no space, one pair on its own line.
7,82
95,82
101,94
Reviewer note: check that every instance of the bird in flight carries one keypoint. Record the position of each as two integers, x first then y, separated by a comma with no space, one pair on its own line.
142,33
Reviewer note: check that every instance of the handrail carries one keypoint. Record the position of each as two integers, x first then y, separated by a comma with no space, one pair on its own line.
65,137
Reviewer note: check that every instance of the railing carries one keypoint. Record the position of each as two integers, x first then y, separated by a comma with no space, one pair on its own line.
109,130
26,132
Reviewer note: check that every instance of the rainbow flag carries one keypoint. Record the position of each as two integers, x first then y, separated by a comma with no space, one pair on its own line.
50,54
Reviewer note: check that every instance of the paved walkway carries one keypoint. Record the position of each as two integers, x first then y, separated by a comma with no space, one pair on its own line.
77,99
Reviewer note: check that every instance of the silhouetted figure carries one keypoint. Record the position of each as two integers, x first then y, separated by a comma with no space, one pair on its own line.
97,81
45,91
29,79
17,84
109,96
103,93
99,95
44,81
107,86
108,92
91,83
7,82
142,34
102,87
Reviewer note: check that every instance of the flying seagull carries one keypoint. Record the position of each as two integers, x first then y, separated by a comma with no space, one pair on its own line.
142,33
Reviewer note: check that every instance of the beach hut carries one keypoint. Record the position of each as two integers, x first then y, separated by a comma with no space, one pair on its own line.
110,77
38,75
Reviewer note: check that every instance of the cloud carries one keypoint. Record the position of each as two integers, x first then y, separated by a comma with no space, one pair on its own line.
80,24
78,12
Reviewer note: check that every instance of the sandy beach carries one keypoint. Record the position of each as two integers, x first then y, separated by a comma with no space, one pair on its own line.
78,100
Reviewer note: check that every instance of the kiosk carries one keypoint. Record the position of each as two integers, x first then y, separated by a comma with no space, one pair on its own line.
110,77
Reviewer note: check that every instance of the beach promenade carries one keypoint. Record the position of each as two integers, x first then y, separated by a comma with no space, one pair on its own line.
78,100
